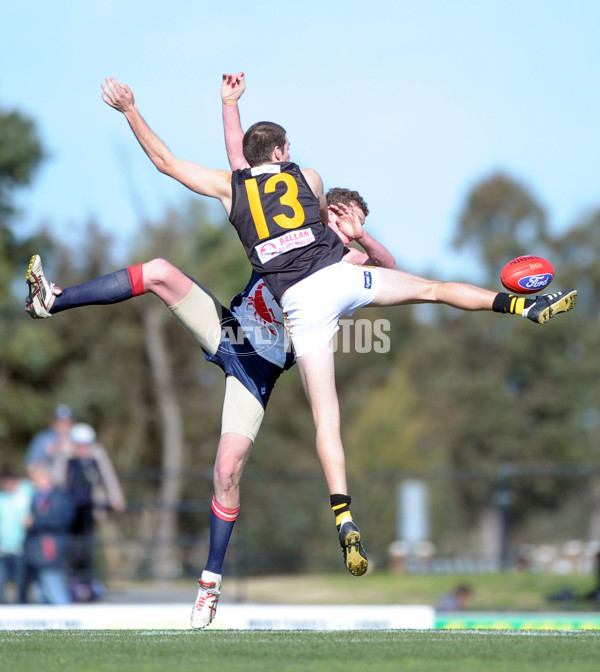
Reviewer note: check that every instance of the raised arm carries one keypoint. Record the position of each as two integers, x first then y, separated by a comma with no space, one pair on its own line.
375,254
349,223
204,181
231,90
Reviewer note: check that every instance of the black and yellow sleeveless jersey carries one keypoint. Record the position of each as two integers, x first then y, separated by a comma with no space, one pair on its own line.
276,216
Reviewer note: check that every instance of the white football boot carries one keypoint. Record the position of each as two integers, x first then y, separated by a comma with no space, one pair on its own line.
42,293
205,606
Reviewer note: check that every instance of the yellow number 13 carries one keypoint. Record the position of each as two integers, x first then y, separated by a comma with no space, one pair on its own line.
289,198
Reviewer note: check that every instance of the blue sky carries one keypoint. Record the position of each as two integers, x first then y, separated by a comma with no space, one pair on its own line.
410,103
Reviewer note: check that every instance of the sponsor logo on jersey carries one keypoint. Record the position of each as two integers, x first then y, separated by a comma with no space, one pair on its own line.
368,279
534,282
289,241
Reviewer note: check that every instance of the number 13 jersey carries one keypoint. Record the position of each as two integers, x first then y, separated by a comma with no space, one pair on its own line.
276,216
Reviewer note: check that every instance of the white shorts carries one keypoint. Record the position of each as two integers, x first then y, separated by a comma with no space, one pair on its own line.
314,305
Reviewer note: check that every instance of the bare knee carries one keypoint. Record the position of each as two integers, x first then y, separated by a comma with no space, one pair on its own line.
156,274
226,478
432,291
229,465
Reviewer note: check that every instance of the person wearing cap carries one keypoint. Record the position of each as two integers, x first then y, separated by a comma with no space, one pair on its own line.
15,503
49,443
88,476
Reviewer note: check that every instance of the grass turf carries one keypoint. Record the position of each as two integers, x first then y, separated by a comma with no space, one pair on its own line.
297,651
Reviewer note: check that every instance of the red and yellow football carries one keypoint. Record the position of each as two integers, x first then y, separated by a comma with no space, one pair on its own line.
527,274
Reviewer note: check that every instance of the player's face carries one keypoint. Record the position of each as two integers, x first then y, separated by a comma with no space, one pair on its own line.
359,213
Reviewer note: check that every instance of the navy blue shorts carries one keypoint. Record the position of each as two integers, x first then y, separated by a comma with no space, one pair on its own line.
239,359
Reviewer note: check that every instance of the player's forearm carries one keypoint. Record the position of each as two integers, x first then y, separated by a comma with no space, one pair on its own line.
379,255
234,135
155,148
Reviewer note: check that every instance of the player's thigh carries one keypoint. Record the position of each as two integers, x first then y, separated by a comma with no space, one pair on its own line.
398,287
201,313
242,412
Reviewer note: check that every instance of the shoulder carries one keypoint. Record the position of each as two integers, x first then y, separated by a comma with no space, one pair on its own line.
314,180
44,435
310,173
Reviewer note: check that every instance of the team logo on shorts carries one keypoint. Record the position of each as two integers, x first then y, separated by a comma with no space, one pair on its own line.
368,279
246,335
257,326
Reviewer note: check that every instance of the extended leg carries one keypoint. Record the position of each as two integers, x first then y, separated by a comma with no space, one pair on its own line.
317,372
157,276
400,288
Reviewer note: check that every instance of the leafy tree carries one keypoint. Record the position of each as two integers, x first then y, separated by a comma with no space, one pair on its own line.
501,220
20,154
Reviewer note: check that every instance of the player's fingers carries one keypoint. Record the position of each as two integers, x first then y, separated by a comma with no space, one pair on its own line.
110,86
114,86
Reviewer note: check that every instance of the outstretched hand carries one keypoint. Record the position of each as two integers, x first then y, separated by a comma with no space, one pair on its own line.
117,95
232,88
347,220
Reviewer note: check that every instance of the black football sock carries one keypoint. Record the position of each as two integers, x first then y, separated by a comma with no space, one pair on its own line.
511,303
340,505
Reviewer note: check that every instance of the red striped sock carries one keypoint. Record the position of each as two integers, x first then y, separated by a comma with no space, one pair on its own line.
136,278
224,513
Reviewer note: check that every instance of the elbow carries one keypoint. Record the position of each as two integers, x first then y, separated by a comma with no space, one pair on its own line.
164,162
161,166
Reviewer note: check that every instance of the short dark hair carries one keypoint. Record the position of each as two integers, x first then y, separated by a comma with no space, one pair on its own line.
260,140
347,197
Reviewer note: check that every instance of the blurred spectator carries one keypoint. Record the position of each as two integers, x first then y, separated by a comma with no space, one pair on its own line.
54,441
594,594
89,477
15,504
455,600
47,535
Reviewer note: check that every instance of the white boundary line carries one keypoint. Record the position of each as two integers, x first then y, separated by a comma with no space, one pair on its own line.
229,617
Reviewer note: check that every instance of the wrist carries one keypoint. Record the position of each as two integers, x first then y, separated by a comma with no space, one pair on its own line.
227,101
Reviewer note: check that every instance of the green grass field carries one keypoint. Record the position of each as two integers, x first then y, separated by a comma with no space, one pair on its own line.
297,651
